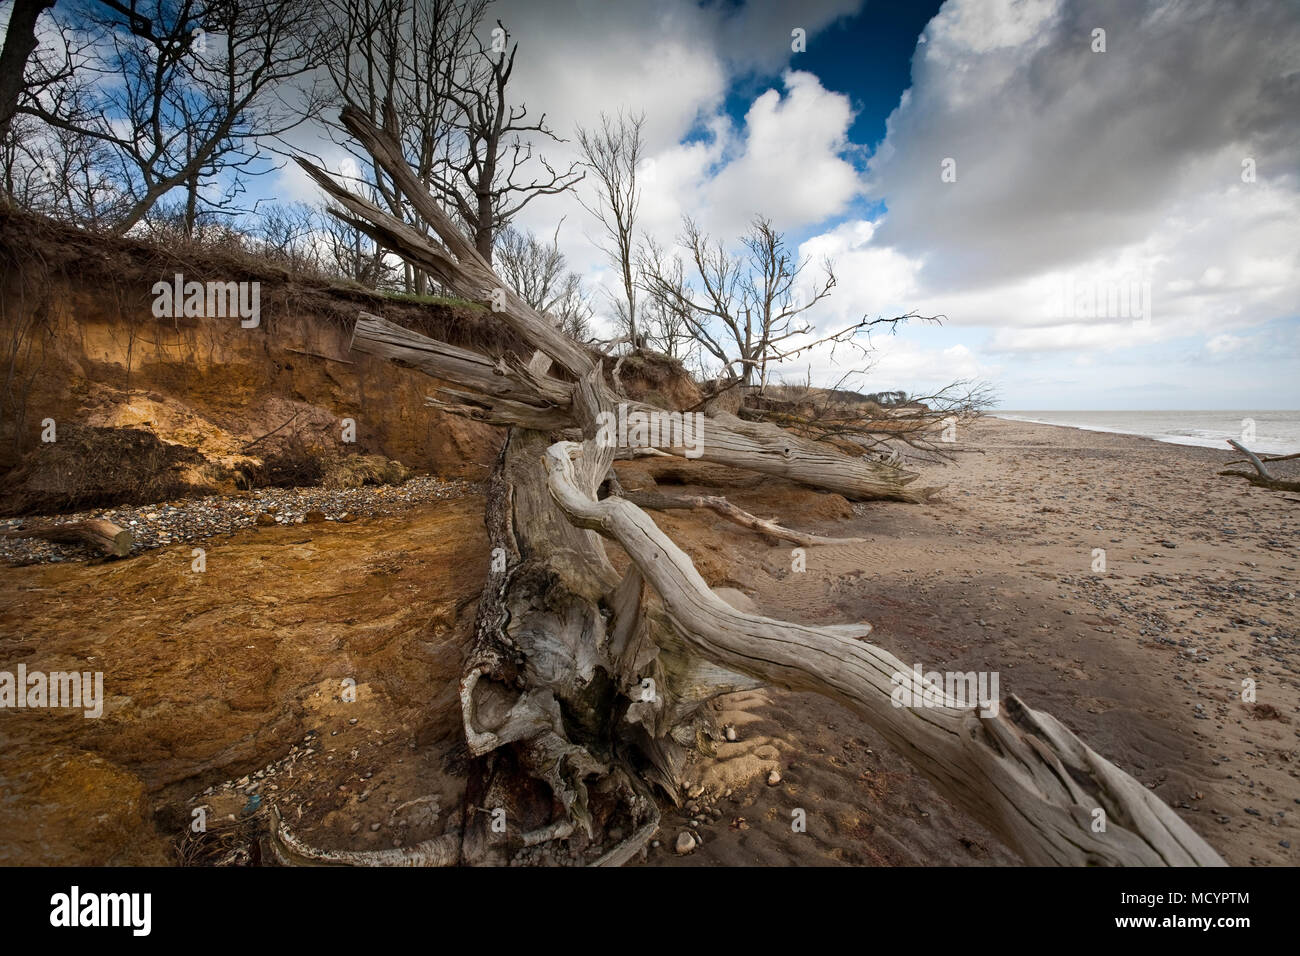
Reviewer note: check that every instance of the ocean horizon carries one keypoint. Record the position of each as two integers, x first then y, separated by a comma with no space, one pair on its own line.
1275,432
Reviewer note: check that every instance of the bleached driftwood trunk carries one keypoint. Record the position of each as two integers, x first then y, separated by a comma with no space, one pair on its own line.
584,689
1262,477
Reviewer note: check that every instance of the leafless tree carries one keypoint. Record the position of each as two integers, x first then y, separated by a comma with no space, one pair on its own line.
745,312
534,269
539,274
59,174
351,254
405,56
486,180
572,310
183,91
613,153
291,234
425,70
665,320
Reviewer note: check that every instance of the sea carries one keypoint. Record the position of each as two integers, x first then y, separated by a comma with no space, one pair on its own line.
1266,432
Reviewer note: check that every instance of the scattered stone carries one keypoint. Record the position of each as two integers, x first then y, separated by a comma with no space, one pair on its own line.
774,778
194,519
686,842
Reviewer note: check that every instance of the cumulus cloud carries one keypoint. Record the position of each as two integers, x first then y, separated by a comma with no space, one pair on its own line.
1166,165
1104,203
1064,154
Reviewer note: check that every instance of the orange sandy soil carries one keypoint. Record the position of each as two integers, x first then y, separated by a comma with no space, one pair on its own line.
214,677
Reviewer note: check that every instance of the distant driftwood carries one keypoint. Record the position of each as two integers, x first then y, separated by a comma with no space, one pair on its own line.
1262,476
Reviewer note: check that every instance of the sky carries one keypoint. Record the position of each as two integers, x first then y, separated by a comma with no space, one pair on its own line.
1101,198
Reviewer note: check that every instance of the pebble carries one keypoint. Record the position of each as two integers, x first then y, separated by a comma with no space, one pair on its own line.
193,519
686,842
774,778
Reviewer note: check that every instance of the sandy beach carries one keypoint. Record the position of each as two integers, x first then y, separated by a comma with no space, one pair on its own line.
220,690
1144,661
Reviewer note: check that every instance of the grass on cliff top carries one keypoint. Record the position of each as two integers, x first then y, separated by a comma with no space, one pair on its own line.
432,300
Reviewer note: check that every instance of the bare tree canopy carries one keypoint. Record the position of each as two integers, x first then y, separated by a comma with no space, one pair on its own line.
486,178
613,153
179,93
742,308
539,274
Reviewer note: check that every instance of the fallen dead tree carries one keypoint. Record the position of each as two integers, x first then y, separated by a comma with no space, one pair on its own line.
857,425
584,689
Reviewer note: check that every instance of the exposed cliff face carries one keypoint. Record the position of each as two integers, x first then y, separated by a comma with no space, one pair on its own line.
80,344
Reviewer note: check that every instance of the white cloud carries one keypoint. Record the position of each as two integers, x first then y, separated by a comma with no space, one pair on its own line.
790,167
1081,170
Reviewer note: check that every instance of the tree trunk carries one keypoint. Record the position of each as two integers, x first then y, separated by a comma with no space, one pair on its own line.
20,41
1262,477
512,395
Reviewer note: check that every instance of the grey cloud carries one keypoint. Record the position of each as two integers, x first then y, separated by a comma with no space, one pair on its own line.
1062,152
